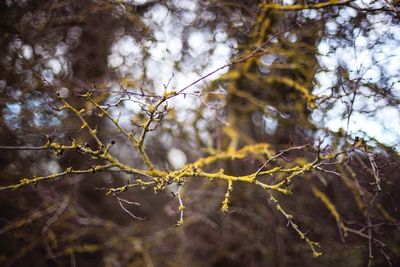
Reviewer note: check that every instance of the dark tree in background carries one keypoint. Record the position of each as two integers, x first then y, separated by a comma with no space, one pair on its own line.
199,133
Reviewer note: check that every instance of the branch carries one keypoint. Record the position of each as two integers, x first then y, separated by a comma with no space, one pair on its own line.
298,7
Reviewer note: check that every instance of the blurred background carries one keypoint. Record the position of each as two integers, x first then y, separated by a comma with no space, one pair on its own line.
330,76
